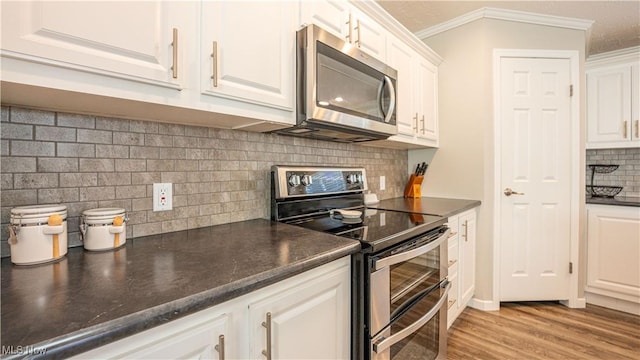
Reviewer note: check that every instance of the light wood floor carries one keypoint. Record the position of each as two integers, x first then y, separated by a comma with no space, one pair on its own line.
545,330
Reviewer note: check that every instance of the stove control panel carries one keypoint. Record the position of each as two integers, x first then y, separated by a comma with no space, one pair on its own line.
306,181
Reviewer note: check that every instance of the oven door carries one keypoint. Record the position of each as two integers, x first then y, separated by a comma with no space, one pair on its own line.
408,290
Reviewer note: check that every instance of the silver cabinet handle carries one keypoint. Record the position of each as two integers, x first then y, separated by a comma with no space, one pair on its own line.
422,124
466,229
409,254
267,325
416,119
625,129
510,192
637,129
214,56
358,33
174,68
349,36
220,347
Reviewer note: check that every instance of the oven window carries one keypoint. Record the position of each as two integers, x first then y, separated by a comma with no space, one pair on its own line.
422,344
413,276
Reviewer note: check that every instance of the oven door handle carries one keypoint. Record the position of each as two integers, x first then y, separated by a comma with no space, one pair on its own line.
406,255
382,343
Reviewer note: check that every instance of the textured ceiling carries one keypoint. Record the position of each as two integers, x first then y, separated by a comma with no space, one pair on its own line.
616,23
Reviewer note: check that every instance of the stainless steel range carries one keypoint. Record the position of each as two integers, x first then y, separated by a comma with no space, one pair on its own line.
400,284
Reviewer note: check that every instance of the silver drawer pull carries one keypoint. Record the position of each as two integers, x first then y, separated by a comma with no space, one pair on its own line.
267,325
174,68
220,347
214,55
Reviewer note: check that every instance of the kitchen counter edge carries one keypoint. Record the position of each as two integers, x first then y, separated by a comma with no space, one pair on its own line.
617,201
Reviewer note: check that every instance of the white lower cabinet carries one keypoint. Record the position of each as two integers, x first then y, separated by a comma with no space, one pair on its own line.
306,322
303,317
613,257
462,262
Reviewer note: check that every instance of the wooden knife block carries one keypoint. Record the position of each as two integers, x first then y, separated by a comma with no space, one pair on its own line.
412,190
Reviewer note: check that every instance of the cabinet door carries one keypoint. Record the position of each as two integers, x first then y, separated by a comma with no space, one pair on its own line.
308,321
613,251
609,104
247,51
331,15
400,57
128,40
467,263
196,336
427,100
368,35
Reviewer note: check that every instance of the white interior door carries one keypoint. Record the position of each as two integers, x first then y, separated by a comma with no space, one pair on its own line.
535,114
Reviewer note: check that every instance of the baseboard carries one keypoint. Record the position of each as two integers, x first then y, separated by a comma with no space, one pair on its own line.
578,303
612,303
484,305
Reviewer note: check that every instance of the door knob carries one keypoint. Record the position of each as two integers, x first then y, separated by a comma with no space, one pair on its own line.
510,192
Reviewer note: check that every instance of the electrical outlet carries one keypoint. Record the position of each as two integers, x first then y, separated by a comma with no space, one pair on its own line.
382,182
162,196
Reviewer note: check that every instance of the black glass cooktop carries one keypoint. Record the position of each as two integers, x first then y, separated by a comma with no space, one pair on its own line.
376,229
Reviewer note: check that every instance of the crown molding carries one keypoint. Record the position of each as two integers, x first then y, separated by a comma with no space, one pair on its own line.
509,15
621,56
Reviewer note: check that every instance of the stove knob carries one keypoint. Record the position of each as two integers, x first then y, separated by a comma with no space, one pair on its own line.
294,180
307,180
352,179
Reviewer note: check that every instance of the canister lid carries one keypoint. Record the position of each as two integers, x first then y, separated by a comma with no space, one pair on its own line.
37,213
103,212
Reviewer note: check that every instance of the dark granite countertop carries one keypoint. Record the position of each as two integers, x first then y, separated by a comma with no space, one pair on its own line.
89,299
428,205
618,200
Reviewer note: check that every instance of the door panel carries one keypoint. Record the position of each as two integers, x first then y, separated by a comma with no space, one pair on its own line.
250,68
535,162
96,37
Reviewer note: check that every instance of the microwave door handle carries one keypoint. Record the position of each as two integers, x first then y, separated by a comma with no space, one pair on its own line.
380,103
406,255
392,100
382,343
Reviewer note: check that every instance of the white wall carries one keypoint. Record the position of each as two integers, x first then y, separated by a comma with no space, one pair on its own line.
463,165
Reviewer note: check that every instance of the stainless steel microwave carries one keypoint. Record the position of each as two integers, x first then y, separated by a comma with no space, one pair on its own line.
343,94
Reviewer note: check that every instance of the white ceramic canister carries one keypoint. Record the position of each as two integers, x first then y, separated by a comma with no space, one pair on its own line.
38,233
103,229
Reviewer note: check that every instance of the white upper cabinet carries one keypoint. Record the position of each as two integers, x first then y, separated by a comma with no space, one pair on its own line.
331,15
401,58
136,41
613,100
417,87
247,51
426,93
343,20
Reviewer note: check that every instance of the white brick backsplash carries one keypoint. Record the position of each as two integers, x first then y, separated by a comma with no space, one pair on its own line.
51,133
219,175
17,131
31,116
32,148
76,121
